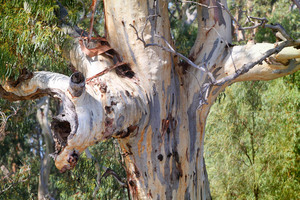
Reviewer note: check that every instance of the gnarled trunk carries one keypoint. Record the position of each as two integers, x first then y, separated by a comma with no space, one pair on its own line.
155,106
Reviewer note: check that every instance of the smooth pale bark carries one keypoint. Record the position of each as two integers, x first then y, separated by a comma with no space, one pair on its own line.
153,113
42,117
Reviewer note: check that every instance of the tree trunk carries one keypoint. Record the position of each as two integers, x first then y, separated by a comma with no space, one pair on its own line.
148,100
42,117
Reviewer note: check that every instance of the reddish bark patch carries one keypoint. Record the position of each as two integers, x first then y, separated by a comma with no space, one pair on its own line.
150,194
72,159
100,49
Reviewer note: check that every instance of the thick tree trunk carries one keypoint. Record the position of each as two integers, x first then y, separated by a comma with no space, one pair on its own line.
151,103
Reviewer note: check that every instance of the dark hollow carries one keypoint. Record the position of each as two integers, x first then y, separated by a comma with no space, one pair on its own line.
77,77
61,128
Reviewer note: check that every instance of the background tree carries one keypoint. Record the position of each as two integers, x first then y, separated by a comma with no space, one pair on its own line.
253,152
155,103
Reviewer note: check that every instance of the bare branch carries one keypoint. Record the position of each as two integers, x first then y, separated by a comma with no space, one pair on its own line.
115,175
13,184
201,4
107,172
4,121
279,28
204,91
98,169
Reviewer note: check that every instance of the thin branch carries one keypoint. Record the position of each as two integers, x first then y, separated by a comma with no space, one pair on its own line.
13,184
279,28
98,169
4,121
262,20
204,91
200,4
115,175
244,149
107,172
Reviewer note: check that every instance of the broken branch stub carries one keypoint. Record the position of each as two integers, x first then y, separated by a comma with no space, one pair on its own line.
77,84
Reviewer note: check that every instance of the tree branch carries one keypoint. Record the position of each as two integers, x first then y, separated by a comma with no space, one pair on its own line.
107,172
249,66
4,121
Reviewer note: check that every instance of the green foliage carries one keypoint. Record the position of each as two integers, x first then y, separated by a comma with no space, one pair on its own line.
276,12
19,153
30,37
252,142
252,138
183,34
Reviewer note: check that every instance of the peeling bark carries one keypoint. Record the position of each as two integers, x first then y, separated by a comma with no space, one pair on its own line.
145,99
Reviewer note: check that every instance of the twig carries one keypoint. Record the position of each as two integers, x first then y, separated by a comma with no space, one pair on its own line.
13,184
279,28
107,172
4,121
262,20
201,4
98,168
204,91
115,175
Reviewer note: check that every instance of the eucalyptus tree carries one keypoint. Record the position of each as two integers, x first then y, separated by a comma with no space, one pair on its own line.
134,86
